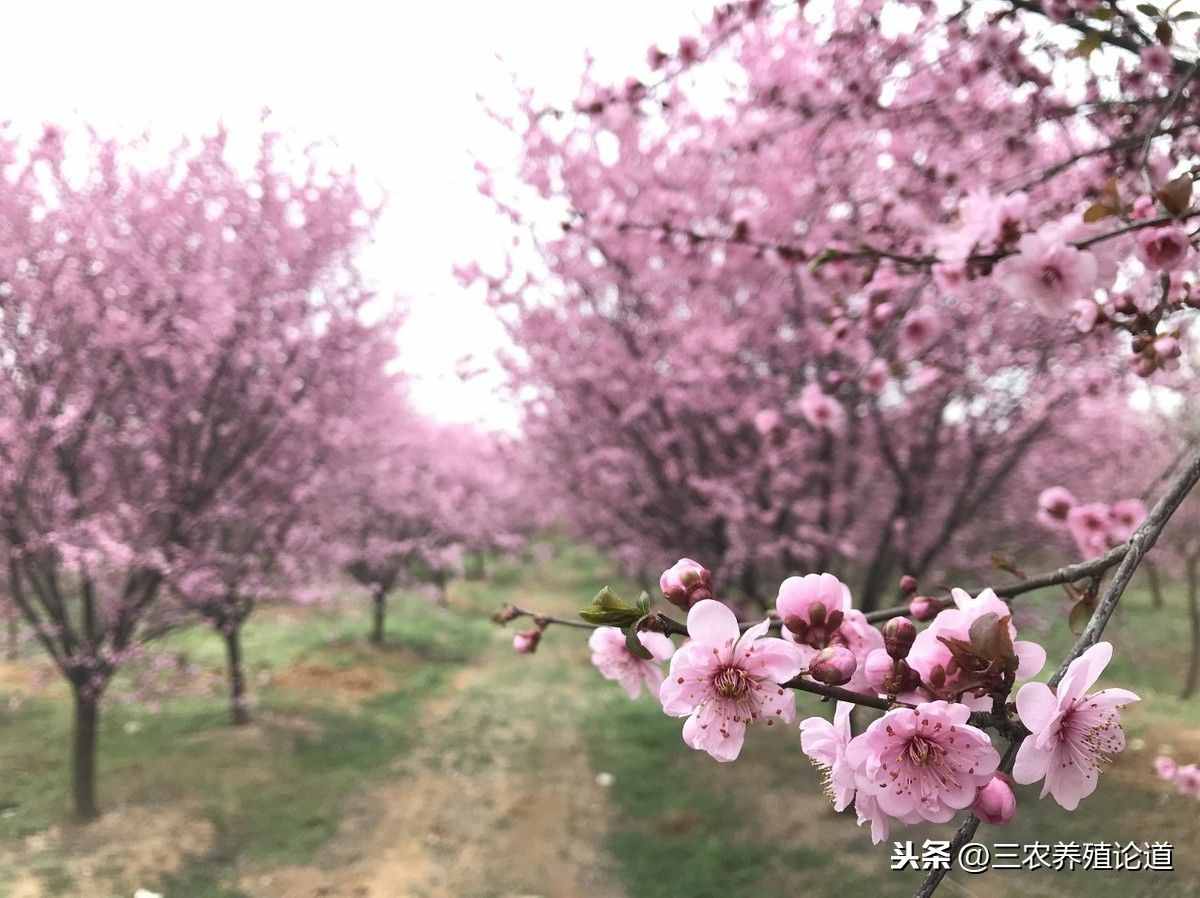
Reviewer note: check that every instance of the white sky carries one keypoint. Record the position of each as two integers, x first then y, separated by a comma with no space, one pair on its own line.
394,84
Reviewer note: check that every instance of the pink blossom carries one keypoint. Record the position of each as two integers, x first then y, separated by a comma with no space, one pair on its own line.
825,744
1088,525
1157,59
766,421
1072,734
615,661
918,330
1165,767
1047,272
1084,315
925,762
876,377
723,680
931,658
1187,780
1163,249
995,803
1124,517
1054,504
815,610
821,410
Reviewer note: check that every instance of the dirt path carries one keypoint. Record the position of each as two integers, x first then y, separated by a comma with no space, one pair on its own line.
497,801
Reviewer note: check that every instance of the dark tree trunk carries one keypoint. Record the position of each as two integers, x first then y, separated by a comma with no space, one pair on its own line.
439,582
83,755
1155,583
379,611
1193,598
239,713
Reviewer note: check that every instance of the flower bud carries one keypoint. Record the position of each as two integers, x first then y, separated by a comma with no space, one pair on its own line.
833,666
908,585
995,803
1167,347
877,670
526,642
685,583
924,608
898,636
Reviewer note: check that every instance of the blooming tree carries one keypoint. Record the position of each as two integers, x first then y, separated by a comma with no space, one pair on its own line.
781,330
167,328
413,497
825,285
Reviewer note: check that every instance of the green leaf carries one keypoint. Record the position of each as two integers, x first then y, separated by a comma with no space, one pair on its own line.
1148,9
1098,212
1081,613
609,609
644,601
1186,16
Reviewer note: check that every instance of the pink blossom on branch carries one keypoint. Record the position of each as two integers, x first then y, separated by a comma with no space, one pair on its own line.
614,660
1047,273
926,762
724,680
1072,734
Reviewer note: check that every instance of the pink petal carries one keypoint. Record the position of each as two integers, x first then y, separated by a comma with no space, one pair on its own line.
1031,762
773,659
1083,672
713,624
657,644
1036,706
1069,783
1031,658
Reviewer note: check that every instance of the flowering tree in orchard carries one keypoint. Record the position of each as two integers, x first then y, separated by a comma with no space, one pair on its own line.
719,360
824,285
414,496
166,329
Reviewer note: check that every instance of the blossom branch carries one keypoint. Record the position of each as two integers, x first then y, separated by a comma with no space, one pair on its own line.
1139,544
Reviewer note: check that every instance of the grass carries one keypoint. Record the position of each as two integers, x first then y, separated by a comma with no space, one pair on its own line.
337,720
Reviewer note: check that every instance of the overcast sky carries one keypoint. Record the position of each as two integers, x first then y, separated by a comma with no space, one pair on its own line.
394,84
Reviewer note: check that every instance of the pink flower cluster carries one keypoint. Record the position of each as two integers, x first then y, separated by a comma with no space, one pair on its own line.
1095,527
1185,778
921,761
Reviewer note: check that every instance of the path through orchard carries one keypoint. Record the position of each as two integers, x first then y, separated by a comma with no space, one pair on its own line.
497,799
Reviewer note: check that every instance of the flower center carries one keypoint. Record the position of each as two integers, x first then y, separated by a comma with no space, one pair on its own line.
731,682
1051,276
923,752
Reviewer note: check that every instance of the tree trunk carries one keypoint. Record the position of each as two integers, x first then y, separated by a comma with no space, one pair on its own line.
83,755
1193,598
13,635
239,713
379,600
1155,583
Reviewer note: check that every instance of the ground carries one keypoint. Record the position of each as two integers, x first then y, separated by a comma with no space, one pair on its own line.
443,765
